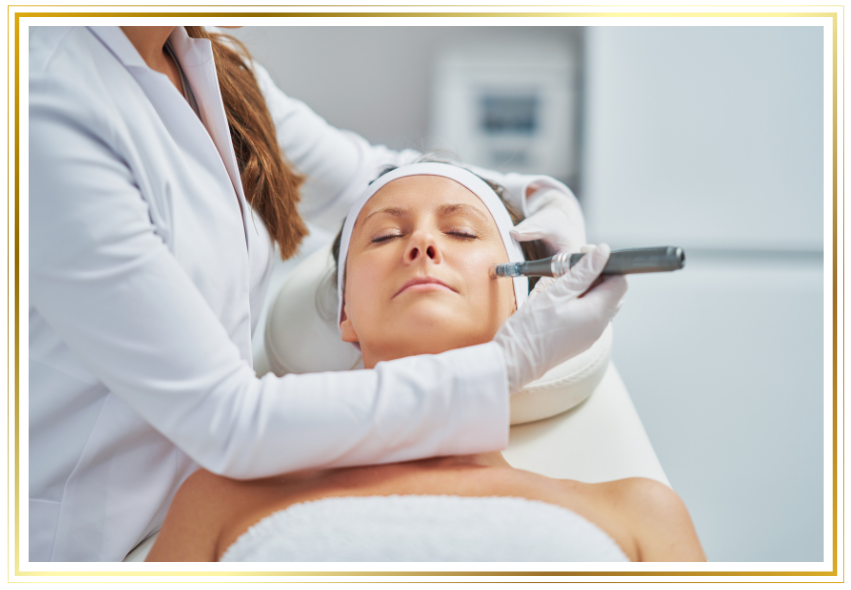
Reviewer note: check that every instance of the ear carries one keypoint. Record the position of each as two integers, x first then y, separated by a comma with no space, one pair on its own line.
346,327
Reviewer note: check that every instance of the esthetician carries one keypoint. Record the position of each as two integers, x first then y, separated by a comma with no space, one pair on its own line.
156,190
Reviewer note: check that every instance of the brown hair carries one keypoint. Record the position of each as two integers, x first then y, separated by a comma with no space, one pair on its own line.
532,250
270,183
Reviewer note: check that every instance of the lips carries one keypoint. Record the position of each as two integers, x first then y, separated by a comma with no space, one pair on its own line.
427,282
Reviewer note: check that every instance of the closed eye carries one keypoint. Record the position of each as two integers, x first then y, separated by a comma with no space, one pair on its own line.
385,238
464,234
456,233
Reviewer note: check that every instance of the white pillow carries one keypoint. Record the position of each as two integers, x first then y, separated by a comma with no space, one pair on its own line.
302,337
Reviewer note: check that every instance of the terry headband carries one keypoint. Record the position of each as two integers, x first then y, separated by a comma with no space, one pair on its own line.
463,177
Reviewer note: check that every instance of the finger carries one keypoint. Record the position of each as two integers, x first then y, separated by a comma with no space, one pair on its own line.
609,293
580,277
590,265
543,284
528,230
555,242
596,282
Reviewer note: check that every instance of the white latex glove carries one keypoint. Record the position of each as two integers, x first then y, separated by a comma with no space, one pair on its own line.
560,320
554,217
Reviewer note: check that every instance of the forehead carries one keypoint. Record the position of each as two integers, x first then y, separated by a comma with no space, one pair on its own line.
422,193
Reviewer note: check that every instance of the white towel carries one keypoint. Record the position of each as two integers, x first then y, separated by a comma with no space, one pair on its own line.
424,528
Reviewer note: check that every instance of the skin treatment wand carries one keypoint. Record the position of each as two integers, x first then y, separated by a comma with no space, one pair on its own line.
621,262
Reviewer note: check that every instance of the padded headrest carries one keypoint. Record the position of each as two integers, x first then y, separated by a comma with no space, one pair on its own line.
302,337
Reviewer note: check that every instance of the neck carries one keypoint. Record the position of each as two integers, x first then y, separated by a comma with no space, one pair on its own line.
493,459
150,43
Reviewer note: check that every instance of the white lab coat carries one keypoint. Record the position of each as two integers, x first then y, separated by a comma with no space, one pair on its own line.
147,273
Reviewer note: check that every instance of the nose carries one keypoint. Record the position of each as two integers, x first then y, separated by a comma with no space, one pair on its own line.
422,247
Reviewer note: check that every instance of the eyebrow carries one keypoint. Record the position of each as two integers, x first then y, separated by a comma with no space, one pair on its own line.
447,209
394,211
452,208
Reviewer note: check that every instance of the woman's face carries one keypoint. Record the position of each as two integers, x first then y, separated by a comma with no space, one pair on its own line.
417,271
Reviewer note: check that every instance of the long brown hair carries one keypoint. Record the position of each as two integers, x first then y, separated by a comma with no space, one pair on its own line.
271,184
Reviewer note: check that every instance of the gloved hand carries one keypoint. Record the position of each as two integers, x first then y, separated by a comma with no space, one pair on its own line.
559,320
554,217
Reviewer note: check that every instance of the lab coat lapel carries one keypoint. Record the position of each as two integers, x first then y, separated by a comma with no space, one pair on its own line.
120,46
196,59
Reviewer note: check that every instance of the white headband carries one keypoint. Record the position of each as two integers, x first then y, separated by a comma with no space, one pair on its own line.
464,177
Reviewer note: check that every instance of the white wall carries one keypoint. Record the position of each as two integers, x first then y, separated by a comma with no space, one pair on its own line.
711,139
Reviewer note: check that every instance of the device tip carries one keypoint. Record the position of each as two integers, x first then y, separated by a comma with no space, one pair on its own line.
492,271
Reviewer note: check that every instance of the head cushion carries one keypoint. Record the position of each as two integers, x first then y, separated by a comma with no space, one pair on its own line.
302,337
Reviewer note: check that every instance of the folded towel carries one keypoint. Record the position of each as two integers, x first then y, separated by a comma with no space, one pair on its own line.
424,528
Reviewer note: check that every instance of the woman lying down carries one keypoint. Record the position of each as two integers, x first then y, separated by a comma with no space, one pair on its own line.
414,280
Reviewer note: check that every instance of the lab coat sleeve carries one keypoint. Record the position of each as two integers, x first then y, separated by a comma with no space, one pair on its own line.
340,164
106,282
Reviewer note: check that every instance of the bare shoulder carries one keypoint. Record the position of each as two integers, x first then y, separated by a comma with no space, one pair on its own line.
658,518
621,493
639,490
646,499
195,518
646,518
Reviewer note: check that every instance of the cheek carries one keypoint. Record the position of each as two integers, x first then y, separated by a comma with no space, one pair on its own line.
477,261
494,298
365,276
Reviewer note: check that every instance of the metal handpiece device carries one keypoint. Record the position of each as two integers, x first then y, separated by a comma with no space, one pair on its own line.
621,262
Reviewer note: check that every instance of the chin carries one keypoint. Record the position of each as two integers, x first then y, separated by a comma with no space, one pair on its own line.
412,341
428,327
434,335
433,320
